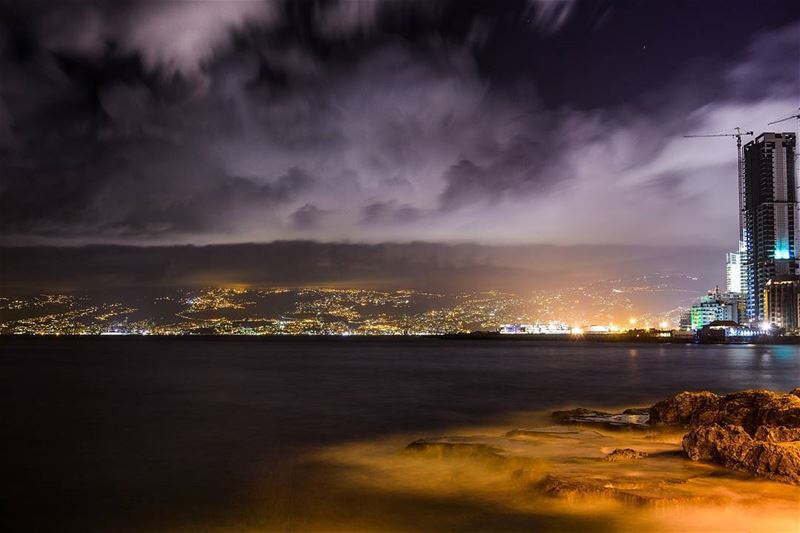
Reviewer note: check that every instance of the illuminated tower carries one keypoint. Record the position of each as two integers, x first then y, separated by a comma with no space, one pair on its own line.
735,280
770,215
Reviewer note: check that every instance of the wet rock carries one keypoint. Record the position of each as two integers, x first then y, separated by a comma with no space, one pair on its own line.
755,431
454,447
686,409
600,419
749,409
777,434
580,412
659,494
732,447
637,411
548,431
754,408
560,487
624,454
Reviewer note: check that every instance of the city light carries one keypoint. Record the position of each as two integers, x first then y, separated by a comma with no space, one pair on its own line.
782,250
593,308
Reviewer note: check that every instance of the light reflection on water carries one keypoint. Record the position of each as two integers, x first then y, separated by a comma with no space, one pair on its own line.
173,435
674,494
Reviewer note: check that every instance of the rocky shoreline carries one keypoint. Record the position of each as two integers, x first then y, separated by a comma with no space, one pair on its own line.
756,431
645,456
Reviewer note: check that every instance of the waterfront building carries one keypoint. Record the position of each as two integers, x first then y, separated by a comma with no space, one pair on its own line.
729,331
770,214
713,307
549,328
685,320
782,302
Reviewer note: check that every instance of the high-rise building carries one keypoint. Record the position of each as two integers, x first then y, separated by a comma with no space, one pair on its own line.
770,213
735,281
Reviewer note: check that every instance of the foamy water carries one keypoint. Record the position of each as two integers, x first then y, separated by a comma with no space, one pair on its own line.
663,492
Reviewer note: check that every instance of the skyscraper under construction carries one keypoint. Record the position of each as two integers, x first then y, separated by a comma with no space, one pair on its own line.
770,213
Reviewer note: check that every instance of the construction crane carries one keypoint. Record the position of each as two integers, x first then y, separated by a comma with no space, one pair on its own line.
738,133
785,118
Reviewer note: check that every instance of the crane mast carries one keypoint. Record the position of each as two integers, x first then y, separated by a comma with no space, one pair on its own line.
744,289
737,133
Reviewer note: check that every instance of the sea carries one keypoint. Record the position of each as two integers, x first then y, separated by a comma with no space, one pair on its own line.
225,434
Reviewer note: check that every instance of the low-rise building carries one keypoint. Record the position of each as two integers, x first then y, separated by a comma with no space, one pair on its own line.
714,306
550,328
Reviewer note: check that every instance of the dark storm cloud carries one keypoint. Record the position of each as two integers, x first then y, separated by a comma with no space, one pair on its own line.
772,59
199,122
428,266
389,213
516,167
308,217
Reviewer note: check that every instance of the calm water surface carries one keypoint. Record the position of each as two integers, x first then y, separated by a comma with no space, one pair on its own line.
193,435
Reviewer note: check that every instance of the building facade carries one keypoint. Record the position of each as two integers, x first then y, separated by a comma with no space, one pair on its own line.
713,307
770,216
735,281
782,302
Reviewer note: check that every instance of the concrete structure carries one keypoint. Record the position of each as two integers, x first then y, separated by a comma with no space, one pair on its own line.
736,282
550,328
782,302
714,307
770,213
685,321
729,331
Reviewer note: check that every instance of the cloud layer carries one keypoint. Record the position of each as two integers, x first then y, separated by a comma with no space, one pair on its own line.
427,266
200,122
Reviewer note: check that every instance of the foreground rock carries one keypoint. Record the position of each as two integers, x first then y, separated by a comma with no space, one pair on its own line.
455,447
624,454
777,434
750,409
686,409
496,453
732,447
628,419
622,489
570,415
755,431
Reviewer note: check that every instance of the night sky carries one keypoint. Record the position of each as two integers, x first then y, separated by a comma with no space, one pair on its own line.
555,122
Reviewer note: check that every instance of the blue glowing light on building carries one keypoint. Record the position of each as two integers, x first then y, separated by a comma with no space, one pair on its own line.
782,250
